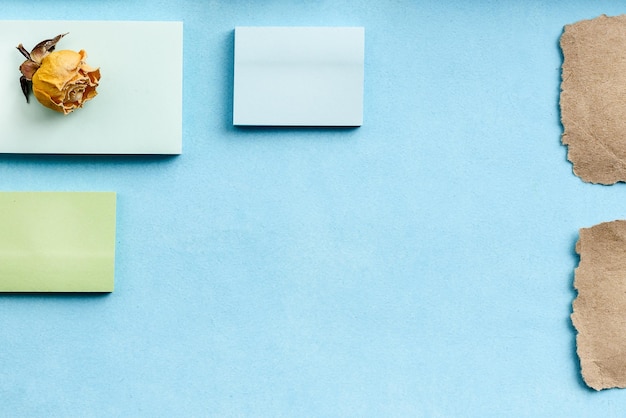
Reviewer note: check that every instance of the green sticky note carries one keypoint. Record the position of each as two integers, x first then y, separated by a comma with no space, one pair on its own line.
57,241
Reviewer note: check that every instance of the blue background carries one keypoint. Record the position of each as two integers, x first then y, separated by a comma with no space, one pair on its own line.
420,265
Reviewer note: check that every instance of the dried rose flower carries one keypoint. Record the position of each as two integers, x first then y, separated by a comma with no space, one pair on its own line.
64,81
60,80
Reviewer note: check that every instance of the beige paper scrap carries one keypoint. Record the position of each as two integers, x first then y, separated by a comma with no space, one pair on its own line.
599,310
593,98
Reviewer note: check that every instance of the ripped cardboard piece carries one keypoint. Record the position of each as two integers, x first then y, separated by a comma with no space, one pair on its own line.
599,310
593,88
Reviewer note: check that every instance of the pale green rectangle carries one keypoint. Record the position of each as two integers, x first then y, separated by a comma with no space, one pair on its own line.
57,241
139,107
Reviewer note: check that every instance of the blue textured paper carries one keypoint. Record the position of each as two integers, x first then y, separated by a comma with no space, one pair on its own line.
420,265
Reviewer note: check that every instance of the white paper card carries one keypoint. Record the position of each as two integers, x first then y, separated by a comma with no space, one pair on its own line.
138,109
299,76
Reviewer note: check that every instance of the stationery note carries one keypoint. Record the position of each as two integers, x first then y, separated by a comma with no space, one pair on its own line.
600,307
298,76
593,109
138,109
57,241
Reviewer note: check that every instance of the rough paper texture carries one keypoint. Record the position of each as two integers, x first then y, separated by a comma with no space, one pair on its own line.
600,309
593,92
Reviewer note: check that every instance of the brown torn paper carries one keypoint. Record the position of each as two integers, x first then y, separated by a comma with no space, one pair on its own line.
593,98
599,310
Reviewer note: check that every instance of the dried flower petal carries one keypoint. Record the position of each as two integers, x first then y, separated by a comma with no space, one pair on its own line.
28,69
43,48
64,81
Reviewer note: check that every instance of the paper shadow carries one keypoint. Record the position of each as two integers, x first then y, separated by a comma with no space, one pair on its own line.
559,81
229,79
558,98
570,324
55,295
87,159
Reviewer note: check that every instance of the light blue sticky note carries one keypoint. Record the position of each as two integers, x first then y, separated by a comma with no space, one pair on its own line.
299,76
